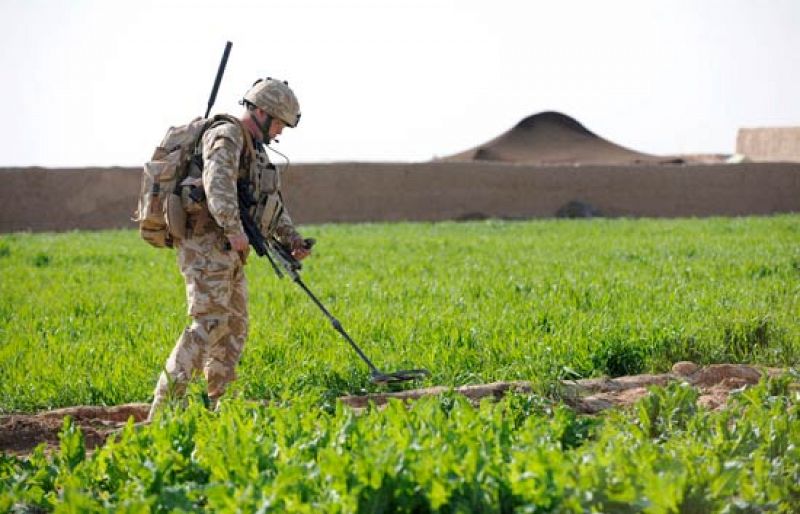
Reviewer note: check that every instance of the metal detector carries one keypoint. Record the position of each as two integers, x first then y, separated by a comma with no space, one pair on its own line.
376,376
277,252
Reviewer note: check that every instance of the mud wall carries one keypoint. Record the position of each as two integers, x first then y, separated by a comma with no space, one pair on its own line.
54,200
780,144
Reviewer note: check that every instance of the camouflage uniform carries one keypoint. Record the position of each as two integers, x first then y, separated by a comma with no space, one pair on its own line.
216,287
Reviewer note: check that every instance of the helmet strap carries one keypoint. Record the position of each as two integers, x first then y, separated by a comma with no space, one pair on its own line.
263,127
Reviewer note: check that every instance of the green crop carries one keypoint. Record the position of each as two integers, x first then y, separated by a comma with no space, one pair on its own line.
439,455
90,317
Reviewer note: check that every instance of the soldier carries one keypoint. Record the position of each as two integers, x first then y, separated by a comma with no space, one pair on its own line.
212,256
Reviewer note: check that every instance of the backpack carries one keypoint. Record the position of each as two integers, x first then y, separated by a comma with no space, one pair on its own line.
160,214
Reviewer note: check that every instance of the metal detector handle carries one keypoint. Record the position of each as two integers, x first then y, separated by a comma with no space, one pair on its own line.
283,255
220,71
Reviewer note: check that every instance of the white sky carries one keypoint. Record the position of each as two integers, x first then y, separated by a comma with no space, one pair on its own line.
98,82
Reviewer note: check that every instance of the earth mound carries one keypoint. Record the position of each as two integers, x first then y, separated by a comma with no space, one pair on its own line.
554,139
21,433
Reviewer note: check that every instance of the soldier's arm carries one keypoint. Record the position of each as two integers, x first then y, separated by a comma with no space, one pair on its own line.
222,148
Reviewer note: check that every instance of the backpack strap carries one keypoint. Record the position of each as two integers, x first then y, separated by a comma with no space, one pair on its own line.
248,151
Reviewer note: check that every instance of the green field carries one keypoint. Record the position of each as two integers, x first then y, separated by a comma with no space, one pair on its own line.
89,318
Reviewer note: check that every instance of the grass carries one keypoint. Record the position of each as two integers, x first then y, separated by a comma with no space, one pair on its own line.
90,317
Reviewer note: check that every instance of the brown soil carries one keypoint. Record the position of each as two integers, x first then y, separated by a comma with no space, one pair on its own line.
21,433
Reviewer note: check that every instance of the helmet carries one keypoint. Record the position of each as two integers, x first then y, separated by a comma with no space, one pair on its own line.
275,97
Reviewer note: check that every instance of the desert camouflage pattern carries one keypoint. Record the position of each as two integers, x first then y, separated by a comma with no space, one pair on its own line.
277,98
216,292
222,149
216,287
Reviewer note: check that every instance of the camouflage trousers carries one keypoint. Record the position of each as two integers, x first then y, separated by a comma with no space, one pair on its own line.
216,292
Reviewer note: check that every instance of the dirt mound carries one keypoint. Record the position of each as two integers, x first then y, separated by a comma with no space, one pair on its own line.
552,138
592,395
20,434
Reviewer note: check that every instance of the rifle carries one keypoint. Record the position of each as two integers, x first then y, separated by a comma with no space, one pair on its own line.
278,253
269,247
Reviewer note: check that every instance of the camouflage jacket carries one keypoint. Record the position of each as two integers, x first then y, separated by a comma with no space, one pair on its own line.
225,162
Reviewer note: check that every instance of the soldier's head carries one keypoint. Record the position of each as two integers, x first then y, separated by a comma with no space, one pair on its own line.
272,105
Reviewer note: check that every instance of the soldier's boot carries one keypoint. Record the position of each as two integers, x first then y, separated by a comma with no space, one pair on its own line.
218,376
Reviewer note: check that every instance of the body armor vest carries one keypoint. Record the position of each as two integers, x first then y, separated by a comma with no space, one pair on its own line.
255,172
265,181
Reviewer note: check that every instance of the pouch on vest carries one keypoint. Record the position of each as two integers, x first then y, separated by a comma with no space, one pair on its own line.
270,180
270,214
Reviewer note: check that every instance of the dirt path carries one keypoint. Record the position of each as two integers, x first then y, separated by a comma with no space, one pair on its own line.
21,433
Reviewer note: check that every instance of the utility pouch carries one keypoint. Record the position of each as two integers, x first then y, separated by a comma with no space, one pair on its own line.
158,182
176,217
270,180
269,214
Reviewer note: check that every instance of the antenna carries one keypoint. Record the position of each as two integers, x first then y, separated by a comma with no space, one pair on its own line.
220,72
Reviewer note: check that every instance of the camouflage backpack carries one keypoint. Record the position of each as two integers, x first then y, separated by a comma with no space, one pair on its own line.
160,214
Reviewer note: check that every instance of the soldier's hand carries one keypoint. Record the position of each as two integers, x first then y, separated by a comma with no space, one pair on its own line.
301,253
243,255
239,242
301,248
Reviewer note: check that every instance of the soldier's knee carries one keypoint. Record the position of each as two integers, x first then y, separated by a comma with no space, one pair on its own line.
213,328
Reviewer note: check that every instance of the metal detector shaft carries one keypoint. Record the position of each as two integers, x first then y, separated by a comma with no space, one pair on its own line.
336,324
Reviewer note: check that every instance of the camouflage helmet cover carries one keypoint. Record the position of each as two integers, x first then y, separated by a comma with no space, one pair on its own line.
276,98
